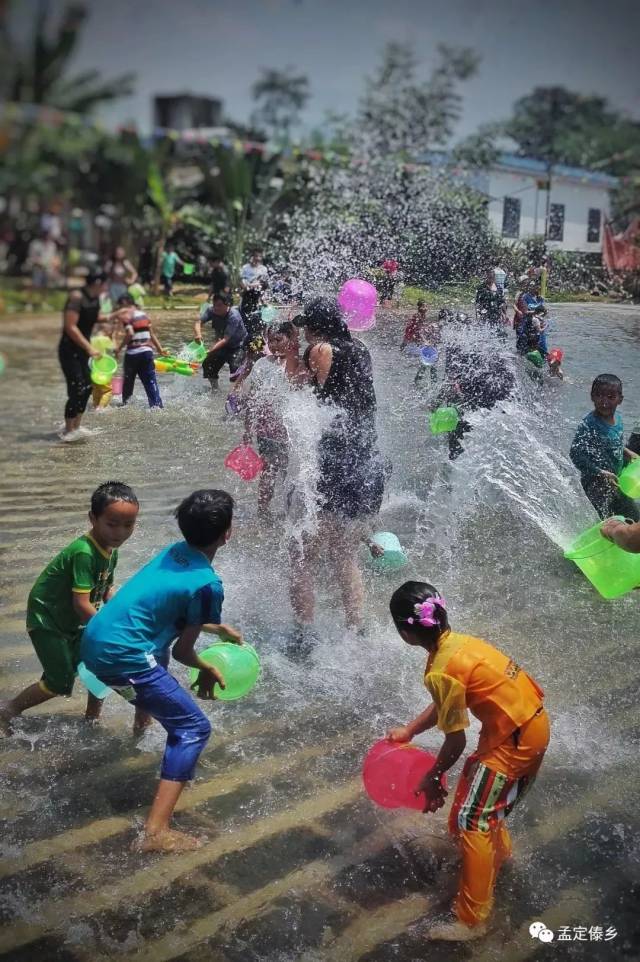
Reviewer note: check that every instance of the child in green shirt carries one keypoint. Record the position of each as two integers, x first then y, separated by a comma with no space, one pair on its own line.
68,593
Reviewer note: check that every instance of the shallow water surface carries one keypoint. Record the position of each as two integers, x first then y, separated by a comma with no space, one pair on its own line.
298,864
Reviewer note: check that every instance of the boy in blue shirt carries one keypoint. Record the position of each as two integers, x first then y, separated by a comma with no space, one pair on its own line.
599,453
127,646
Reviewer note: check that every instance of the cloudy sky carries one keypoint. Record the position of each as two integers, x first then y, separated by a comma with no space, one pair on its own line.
217,48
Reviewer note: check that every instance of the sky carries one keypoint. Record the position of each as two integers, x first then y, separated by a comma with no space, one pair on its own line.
217,48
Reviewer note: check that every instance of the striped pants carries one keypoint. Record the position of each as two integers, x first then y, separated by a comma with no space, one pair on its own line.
489,787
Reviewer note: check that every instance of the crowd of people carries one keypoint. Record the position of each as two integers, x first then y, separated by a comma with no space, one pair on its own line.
126,638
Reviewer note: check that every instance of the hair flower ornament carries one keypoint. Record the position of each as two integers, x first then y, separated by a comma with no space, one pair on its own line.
425,612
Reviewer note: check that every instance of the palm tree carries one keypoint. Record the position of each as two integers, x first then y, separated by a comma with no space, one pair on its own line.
280,96
40,74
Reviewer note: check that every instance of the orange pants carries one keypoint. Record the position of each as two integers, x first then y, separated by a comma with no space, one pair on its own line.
489,787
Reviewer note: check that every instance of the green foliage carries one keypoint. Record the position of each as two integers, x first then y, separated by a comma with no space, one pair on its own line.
40,75
402,114
280,95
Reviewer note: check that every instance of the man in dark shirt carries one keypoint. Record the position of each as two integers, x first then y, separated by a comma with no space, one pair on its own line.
231,337
220,283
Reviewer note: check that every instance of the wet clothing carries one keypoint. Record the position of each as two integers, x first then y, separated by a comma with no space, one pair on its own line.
83,567
54,626
259,276
487,791
138,329
140,364
473,381
213,363
135,630
129,648
467,674
230,326
492,304
59,656
188,729
88,310
75,367
351,470
220,282
74,361
597,447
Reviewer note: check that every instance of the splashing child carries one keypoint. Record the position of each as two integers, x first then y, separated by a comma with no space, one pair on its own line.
68,594
465,673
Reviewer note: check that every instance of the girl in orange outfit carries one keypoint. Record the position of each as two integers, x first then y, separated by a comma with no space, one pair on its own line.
463,673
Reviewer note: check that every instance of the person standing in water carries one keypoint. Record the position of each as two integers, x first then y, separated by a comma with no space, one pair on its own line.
465,674
491,305
160,611
67,594
266,388
350,469
81,313
138,343
170,261
231,334
254,280
599,453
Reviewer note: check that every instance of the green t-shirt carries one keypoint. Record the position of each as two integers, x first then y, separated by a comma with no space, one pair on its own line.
169,261
81,567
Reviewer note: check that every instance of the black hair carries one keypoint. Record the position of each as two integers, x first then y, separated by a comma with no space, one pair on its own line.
286,328
204,516
445,314
125,300
256,250
605,381
323,316
225,298
403,606
421,304
108,493
95,276
540,309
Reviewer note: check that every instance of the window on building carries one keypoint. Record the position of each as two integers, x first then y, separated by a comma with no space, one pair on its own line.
593,225
556,222
511,217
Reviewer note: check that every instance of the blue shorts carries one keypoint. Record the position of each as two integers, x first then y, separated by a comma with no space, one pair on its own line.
188,729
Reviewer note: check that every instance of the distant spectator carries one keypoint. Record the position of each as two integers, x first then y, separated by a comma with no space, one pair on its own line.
491,305
43,259
254,280
388,283
120,273
170,261
220,283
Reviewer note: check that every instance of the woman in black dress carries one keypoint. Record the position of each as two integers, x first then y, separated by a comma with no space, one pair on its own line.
81,313
350,468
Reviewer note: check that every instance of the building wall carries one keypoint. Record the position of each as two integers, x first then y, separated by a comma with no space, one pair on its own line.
576,196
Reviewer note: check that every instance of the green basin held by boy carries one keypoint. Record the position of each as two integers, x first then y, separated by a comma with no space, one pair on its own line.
239,665
629,479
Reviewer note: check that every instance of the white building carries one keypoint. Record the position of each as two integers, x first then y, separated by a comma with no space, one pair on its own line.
516,189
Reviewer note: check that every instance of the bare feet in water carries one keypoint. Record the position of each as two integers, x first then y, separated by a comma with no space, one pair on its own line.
169,841
141,722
